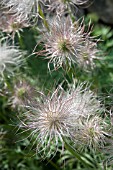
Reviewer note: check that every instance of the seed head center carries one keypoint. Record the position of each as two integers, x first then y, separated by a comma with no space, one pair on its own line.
64,45
53,120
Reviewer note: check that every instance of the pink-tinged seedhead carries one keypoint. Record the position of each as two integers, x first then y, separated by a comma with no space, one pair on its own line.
56,116
67,43
22,8
10,57
92,132
22,94
62,6
9,22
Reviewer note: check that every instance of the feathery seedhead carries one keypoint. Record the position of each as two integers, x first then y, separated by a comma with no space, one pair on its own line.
22,94
49,120
56,116
22,8
84,102
10,58
68,42
62,6
9,22
88,55
91,132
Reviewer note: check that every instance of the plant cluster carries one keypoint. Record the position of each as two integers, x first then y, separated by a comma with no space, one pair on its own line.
52,87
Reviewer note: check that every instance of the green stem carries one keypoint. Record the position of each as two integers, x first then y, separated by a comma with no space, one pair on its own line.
20,41
43,17
71,14
76,155
53,164
70,71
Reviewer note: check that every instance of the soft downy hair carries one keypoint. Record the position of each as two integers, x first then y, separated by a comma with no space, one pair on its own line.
63,6
67,43
24,9
56,116
11,57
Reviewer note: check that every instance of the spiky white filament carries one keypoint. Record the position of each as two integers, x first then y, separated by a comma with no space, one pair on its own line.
10,57
57,116
67,42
